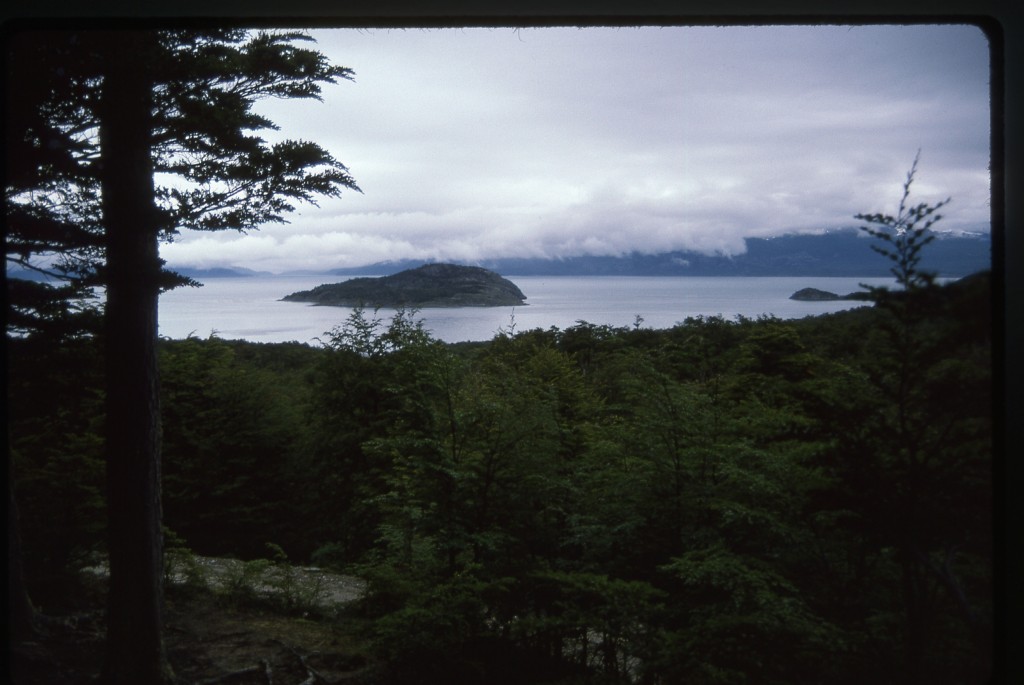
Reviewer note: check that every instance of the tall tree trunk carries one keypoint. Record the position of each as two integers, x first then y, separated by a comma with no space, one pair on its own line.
135,650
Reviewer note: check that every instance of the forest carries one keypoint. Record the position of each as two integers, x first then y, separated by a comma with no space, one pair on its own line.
744,501
755,501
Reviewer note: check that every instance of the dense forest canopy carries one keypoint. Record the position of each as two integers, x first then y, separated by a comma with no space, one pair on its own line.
722,501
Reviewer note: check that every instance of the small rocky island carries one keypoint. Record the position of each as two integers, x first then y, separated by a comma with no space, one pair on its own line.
815,295
431,285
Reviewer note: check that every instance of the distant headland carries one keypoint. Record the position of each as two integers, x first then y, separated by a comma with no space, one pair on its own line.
431,285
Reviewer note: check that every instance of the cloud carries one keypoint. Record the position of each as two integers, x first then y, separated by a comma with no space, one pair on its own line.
477,143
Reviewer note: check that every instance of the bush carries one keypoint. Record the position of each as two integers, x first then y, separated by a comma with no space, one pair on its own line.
430,639
332,556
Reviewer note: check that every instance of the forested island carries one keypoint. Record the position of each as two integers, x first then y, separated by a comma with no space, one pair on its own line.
431,285
816,295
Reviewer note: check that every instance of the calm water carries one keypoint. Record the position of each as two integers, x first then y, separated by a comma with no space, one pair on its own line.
249,308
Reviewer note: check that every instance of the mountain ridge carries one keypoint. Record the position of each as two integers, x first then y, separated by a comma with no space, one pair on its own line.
843,252
836,253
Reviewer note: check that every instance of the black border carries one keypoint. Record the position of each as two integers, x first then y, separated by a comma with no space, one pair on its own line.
1000,19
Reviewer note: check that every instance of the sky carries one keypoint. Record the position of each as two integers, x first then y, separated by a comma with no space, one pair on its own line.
479,143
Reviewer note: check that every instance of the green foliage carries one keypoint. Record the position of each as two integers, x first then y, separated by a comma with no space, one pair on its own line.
273,581
230,426
244,582
744,617
721,502
605,625
332,555
182,570
430,638
54,408
289,588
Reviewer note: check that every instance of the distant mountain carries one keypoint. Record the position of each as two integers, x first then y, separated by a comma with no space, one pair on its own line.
197,274
843,252
431,285
219,272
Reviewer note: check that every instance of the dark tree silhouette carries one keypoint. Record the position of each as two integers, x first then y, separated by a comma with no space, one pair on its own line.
146,103
925,475
135,651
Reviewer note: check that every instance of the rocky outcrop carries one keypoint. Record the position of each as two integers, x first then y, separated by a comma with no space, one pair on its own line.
431,285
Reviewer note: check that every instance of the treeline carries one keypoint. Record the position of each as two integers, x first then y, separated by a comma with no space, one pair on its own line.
747,501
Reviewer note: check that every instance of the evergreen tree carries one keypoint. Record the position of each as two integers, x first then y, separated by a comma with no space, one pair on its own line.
903,236
52,240
931,491
175,105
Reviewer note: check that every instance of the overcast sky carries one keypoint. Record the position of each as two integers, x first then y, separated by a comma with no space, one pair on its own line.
475,143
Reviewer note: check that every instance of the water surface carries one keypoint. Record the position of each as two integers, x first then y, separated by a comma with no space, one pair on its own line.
249,308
